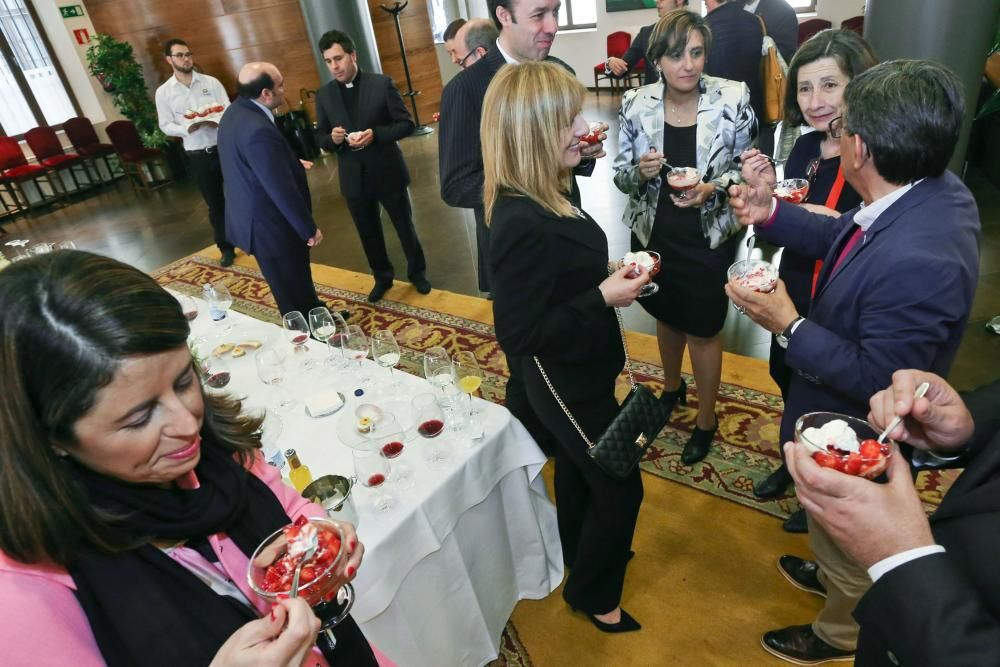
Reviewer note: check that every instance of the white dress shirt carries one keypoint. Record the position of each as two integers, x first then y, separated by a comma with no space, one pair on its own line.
506,56
886,564
270,114
173,99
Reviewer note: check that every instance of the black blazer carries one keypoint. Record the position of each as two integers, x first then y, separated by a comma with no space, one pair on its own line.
636,52
461,152
380,167
737,39
782,25
546,301
944,609
268,207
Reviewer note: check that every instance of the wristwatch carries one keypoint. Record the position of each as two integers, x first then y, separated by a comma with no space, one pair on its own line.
786,335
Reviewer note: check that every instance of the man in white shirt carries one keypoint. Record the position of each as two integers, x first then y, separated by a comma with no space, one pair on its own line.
189,105
934,584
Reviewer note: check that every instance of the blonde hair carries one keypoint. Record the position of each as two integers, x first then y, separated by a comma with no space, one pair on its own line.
525,113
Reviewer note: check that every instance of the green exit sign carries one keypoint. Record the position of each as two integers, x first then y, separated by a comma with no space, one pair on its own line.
71,11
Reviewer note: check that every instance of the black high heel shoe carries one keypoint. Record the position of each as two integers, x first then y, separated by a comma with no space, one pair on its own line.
626,624
672,398
698,445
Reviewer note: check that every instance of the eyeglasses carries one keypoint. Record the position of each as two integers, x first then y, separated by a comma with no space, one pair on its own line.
836,127
185,54
461,63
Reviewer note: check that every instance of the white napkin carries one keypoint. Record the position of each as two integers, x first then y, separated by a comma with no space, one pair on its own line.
323,402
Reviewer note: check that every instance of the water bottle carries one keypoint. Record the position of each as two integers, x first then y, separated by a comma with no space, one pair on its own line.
212,298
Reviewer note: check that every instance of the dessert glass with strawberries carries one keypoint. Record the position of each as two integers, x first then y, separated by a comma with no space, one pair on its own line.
755,274
792,190
594,136
647,259
683,179
273,563
843,443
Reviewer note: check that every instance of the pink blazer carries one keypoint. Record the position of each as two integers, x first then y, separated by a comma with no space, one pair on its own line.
41,622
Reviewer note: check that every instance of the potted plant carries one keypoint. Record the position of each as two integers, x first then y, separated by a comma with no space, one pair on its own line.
113,63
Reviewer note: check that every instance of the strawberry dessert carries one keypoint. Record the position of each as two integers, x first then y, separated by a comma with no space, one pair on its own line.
792,190
683,178
836,445
316,576
754,274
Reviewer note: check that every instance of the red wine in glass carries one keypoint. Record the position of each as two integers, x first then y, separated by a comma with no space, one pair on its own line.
218,380
391,450
299,339
190,314
431,428
375,479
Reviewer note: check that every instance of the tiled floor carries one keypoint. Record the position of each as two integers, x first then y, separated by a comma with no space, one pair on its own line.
152,229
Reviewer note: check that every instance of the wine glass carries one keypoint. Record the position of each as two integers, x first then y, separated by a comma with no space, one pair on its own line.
355,348
66,245
297,332
219,302
388,437
429,418
323,327
385,352
372,470
435,359
683,179
270,363
188,306
336,341
213,364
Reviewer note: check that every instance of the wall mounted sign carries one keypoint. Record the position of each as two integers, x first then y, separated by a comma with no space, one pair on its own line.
71,11
82,36
625,5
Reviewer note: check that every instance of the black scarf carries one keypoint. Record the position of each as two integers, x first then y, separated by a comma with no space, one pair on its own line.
145,608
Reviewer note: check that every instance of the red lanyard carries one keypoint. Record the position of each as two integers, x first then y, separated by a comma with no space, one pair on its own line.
831,202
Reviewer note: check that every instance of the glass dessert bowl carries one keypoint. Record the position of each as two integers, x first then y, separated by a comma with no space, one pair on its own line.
843,443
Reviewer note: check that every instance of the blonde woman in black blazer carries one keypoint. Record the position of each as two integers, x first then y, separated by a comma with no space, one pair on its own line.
554,299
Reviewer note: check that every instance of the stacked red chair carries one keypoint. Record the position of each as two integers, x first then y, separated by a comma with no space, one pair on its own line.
809,28
617,45
82,135
50,154
15,172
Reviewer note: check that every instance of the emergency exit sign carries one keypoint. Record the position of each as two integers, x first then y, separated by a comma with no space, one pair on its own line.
71,11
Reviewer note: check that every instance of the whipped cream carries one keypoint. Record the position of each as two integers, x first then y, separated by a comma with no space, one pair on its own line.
836,433
641,258
299,545
760,279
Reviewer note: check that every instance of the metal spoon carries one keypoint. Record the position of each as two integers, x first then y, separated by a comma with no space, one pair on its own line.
921,390
309,553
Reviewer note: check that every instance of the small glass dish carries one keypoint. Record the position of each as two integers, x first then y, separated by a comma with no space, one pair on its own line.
869,460
755,274
792,190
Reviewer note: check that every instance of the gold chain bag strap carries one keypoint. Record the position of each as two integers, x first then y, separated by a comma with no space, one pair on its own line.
640,419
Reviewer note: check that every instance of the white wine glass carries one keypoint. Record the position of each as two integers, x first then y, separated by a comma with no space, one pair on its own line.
270,363
385,352
355,348
470,378
219,302
335,343
323,328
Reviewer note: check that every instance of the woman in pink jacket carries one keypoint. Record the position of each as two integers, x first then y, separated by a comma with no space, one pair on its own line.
129,500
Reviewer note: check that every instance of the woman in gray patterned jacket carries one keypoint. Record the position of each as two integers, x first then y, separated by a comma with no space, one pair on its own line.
686,119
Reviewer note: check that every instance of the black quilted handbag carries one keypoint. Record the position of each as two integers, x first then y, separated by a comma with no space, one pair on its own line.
640,419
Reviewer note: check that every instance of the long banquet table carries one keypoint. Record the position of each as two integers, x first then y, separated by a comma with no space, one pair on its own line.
444,568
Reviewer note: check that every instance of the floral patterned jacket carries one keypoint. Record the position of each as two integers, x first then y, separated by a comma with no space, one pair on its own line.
726,127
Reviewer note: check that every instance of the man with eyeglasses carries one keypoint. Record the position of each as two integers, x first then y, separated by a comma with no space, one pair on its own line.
895,292
477,37
189,105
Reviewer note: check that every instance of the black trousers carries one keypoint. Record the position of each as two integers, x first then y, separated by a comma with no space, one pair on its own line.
208,175
365,213
290,278
596,512
483,250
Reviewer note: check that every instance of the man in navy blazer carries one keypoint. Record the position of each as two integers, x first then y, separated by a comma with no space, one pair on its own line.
782,24
895,291
268,207
360,116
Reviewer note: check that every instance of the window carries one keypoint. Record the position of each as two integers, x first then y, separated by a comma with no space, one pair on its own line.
33,90
577,14
803,6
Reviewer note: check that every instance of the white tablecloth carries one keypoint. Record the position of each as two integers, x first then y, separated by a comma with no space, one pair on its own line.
444,568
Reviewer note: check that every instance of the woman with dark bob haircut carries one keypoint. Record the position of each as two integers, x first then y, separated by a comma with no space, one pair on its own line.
817,76
129,500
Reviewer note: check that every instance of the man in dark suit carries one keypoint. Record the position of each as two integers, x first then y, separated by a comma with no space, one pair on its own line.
618,67
268,207
895,290
360,117
737,41
782,24
935,591
527,30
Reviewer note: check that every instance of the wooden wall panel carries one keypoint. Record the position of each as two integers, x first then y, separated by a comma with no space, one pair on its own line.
223,34
425,73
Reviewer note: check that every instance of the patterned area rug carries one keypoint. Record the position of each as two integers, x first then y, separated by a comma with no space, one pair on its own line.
744,449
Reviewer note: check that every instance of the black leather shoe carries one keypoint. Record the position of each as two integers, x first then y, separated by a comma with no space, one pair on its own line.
773,485
672,398
796,522
626,624
346,314
800,645
378,291
802,574
698,445
422,284
228,257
